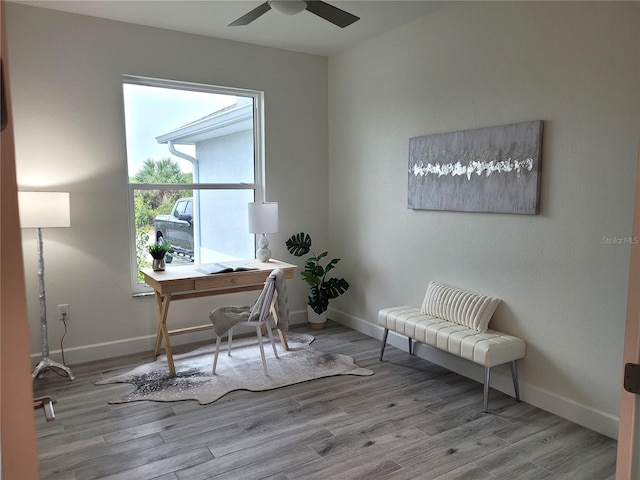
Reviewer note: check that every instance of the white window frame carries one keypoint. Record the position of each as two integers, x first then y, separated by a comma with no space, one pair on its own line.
258,186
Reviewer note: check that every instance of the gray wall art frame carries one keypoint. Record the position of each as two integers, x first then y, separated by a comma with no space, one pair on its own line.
494,169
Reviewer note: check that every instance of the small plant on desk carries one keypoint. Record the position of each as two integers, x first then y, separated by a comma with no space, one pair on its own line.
159,250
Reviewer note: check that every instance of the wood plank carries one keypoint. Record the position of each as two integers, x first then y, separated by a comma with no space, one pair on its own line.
411,419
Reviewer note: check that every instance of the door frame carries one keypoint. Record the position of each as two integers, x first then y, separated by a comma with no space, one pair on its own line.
18,442
628,455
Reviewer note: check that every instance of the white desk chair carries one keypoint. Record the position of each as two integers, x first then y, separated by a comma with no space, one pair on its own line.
259,317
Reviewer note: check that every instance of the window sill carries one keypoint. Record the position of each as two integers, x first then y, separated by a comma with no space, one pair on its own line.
142,294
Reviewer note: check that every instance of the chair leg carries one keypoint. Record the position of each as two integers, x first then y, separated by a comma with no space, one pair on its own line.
384,342
514,375
215,357
273,344
410,346
264,359
487,377
229,337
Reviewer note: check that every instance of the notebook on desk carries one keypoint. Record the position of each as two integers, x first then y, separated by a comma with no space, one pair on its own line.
224,268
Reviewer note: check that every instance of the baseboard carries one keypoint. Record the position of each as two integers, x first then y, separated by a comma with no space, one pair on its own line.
130,346
594,419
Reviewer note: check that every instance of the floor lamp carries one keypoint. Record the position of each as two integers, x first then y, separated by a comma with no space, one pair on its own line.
44,210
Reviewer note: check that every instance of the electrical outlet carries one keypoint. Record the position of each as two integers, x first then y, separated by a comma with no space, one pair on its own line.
63,312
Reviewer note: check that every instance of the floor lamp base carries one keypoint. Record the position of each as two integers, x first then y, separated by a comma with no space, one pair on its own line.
46,364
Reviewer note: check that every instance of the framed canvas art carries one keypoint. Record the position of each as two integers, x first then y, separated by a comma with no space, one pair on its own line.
494,169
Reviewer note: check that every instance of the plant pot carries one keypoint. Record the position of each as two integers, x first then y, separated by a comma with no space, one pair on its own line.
317,321
158,264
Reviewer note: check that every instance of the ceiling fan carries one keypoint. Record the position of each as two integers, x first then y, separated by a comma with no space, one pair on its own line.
291,7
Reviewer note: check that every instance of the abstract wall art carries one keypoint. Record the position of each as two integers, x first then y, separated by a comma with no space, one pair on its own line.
495,169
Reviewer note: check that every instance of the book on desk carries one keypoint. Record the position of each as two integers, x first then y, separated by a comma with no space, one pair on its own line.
225,268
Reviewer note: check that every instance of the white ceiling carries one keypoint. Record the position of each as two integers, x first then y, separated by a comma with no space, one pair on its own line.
304,32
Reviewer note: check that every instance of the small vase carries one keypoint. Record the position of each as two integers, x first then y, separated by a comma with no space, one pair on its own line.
158,264
317,321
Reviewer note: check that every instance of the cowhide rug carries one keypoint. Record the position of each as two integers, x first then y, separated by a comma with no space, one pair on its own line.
240,371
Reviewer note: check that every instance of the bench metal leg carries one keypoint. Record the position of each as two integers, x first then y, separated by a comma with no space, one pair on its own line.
487,377
410,346
384,342
514,375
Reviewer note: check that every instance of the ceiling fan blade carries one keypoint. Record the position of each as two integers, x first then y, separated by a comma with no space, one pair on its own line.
330,13
252,15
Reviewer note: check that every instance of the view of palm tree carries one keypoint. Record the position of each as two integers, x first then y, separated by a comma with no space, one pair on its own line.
149,203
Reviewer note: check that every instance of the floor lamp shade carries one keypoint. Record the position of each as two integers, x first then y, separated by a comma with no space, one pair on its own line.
44,209
263,218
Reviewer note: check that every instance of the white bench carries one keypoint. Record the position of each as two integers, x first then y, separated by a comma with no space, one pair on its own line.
456,321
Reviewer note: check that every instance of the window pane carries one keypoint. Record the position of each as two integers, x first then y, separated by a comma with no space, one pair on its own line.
201,140
205,226
155,209
154,116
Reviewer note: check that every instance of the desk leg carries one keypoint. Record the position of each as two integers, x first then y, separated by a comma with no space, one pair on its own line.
163,332
156,350
283,338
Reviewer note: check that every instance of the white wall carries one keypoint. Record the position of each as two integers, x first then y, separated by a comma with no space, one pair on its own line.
69,128
479,64
224,223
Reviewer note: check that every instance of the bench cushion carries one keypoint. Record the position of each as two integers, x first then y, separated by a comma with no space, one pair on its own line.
459,306
488,348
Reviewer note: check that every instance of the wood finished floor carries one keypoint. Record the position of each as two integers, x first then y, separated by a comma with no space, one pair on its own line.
410,420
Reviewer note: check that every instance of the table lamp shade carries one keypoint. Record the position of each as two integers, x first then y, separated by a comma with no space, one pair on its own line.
263,217
44,209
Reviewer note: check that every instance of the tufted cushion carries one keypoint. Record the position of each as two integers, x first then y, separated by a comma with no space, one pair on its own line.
459,306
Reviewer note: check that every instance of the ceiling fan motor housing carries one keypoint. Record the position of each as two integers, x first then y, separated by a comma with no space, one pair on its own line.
288,7
322,9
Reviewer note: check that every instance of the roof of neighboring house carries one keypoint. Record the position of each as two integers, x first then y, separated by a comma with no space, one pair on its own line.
232,119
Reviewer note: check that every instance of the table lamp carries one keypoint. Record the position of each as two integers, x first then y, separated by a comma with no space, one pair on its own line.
44,210
263,219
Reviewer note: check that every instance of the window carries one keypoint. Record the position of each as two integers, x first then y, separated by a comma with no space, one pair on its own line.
194,162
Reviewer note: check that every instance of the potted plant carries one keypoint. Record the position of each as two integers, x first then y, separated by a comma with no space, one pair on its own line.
322,288
158,250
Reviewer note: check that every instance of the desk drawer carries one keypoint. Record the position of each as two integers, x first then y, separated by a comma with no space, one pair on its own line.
228,280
